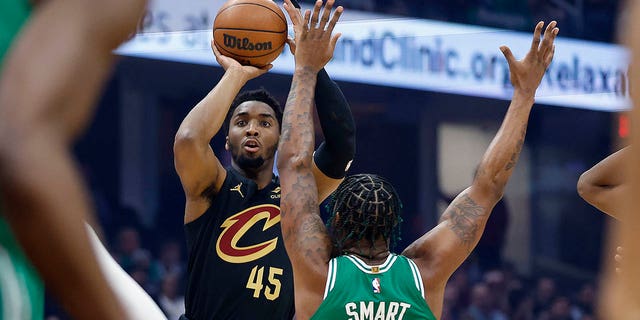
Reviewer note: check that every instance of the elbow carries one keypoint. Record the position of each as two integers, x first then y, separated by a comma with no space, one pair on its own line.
291,161
493,189
584,187
185,139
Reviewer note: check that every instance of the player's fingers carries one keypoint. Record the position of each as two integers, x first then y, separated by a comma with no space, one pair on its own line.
619,249
216,52
305,24
549,57
292,45
547,41
507,54
316,13
325,14
334,40
295,4
294,14
536,36
336,16
618,258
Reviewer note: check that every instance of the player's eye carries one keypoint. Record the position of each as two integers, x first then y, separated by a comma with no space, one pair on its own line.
241,123
266,124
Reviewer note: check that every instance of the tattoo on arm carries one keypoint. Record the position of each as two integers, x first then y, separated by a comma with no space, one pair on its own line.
516,153
465,217
297,126
307,230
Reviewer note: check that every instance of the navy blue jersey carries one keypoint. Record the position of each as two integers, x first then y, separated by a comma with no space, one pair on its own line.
238,266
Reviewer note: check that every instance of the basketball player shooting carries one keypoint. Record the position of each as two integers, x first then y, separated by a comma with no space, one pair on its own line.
232,213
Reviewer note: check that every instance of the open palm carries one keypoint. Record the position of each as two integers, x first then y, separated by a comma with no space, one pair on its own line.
527,73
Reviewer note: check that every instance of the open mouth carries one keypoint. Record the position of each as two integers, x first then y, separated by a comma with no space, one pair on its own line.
251,146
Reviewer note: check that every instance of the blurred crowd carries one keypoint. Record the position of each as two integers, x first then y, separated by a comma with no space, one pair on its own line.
584,19
502,294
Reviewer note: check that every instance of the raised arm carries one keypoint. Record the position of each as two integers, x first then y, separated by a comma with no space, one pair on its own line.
605,184
198,167
50,80
439,252
305,237
334,155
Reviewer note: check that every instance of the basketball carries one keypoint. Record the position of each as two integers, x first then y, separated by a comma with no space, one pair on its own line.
251,31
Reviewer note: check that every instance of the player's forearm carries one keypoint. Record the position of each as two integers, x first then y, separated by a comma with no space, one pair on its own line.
46,206
296,144
299,202
338,127
504,151
207,117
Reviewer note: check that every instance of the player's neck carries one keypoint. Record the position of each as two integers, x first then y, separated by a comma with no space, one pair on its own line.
371,255
262,175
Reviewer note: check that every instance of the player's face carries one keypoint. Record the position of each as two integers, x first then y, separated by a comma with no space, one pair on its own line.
253,134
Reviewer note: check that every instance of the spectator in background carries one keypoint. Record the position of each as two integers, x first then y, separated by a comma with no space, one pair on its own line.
451,308
560,310
521,304
170,299
544,295
482,307
170,260
128,243
495,281
585,302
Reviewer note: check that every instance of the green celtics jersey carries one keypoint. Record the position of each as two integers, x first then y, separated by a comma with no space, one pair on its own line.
13,14
357,291
21,290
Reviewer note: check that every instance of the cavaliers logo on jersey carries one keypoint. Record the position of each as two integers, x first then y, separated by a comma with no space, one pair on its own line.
236,226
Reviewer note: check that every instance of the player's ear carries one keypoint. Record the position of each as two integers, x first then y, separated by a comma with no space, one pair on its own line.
226,143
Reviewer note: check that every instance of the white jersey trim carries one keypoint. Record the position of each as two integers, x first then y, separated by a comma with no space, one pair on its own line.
331,277
384,267
15,299
416,276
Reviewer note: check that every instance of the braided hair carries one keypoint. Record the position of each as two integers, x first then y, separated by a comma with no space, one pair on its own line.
365,206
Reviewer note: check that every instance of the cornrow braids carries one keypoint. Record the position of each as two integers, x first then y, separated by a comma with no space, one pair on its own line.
365,206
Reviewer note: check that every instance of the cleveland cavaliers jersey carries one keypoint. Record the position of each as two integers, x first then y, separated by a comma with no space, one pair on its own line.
356,290
238,267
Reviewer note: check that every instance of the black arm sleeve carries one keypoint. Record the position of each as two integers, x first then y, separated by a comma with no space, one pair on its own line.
334,154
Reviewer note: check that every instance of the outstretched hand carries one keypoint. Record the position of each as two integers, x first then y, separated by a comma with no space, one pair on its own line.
527,73
314,42
227,63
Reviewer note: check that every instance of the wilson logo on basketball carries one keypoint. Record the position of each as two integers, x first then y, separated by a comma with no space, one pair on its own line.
235,228
233,42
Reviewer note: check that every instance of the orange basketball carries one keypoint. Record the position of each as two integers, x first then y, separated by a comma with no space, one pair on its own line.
251,31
